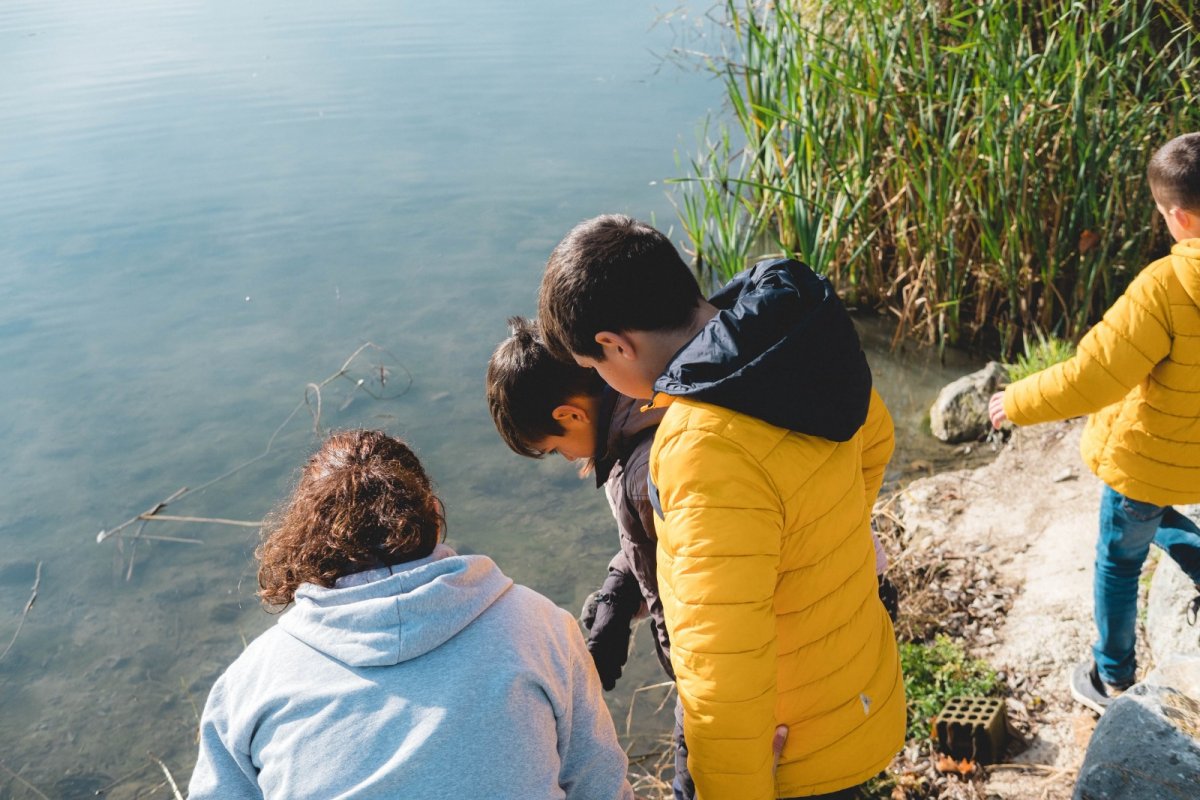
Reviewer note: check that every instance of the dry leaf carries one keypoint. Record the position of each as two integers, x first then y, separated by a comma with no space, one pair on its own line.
946,764
1088,240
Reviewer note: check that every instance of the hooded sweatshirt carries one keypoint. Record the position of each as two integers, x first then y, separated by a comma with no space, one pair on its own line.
766,567
439,678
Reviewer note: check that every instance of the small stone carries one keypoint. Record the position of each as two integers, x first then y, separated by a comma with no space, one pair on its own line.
960,412
1067,474
1167,630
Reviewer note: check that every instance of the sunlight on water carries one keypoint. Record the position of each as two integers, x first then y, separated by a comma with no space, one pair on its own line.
207,206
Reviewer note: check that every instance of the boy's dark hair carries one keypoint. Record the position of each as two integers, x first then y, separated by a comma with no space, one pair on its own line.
1174,172
613,273
525,383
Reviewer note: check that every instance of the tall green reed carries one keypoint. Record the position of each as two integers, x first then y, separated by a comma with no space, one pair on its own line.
975,167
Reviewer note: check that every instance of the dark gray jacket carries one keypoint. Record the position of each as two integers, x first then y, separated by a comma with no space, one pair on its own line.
622,466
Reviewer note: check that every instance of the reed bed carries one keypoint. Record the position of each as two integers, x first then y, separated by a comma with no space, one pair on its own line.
974,167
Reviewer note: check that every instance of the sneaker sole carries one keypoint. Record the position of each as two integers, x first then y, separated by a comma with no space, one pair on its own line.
1086,701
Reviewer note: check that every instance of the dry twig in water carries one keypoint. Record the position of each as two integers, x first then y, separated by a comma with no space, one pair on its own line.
167,772
37,581
150,512
240,523
104,789
312,400
23,782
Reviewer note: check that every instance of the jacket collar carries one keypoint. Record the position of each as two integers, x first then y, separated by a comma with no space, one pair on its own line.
621,424
782,349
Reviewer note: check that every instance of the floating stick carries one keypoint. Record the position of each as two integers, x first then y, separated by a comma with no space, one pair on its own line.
37,581
122,779
158,538
167,772
133,550
312,400
100,537
241,523
23,782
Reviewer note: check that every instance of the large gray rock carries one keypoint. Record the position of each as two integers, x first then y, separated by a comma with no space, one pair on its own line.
1167,630
1145,747
960,413
1181,673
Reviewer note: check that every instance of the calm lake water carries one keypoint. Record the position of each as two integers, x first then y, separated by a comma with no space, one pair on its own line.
207,206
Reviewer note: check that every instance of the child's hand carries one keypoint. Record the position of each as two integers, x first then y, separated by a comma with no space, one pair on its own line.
777,743
996,410
609,625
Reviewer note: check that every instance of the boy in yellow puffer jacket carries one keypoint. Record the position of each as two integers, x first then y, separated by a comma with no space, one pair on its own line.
1137,373
766,568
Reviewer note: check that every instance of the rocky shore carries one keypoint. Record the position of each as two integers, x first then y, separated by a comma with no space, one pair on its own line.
1022,533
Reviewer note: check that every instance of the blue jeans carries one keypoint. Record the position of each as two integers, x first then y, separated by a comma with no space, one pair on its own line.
1127,528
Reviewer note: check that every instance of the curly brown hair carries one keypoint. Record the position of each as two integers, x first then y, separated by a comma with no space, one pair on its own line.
362,501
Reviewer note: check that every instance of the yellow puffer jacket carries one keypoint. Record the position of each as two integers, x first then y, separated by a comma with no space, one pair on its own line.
767,575
1137,372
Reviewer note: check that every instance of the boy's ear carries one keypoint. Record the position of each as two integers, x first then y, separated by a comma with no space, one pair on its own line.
1183,218
567,414
616,344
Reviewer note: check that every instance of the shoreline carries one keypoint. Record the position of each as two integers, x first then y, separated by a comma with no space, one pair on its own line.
1029,520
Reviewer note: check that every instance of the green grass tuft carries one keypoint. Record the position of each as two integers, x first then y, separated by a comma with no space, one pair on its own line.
936,671
1044,351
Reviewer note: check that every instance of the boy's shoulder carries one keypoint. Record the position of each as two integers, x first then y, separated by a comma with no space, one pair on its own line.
1161,285
697,422
1157,277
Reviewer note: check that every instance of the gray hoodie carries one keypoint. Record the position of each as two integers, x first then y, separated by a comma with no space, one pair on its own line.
439,678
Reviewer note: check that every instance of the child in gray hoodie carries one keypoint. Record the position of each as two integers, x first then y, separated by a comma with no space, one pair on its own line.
404,670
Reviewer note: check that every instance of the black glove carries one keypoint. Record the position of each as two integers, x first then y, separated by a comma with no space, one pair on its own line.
609,624
890,596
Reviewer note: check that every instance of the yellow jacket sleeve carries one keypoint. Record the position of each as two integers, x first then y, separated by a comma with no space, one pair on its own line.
879,442
719,552
1115,356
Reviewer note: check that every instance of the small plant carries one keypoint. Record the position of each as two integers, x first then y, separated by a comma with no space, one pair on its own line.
1046,351
936,671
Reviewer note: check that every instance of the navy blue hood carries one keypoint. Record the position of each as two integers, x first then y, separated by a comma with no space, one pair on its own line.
782,349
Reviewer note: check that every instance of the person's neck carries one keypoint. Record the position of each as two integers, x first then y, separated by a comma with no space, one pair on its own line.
659,347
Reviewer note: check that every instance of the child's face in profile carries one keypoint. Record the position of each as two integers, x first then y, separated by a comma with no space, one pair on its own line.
577,442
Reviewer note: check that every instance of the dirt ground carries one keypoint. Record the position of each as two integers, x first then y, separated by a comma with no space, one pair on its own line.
1029,517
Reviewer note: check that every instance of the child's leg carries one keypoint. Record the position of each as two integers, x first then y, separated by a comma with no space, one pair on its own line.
1127,528
1180,537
